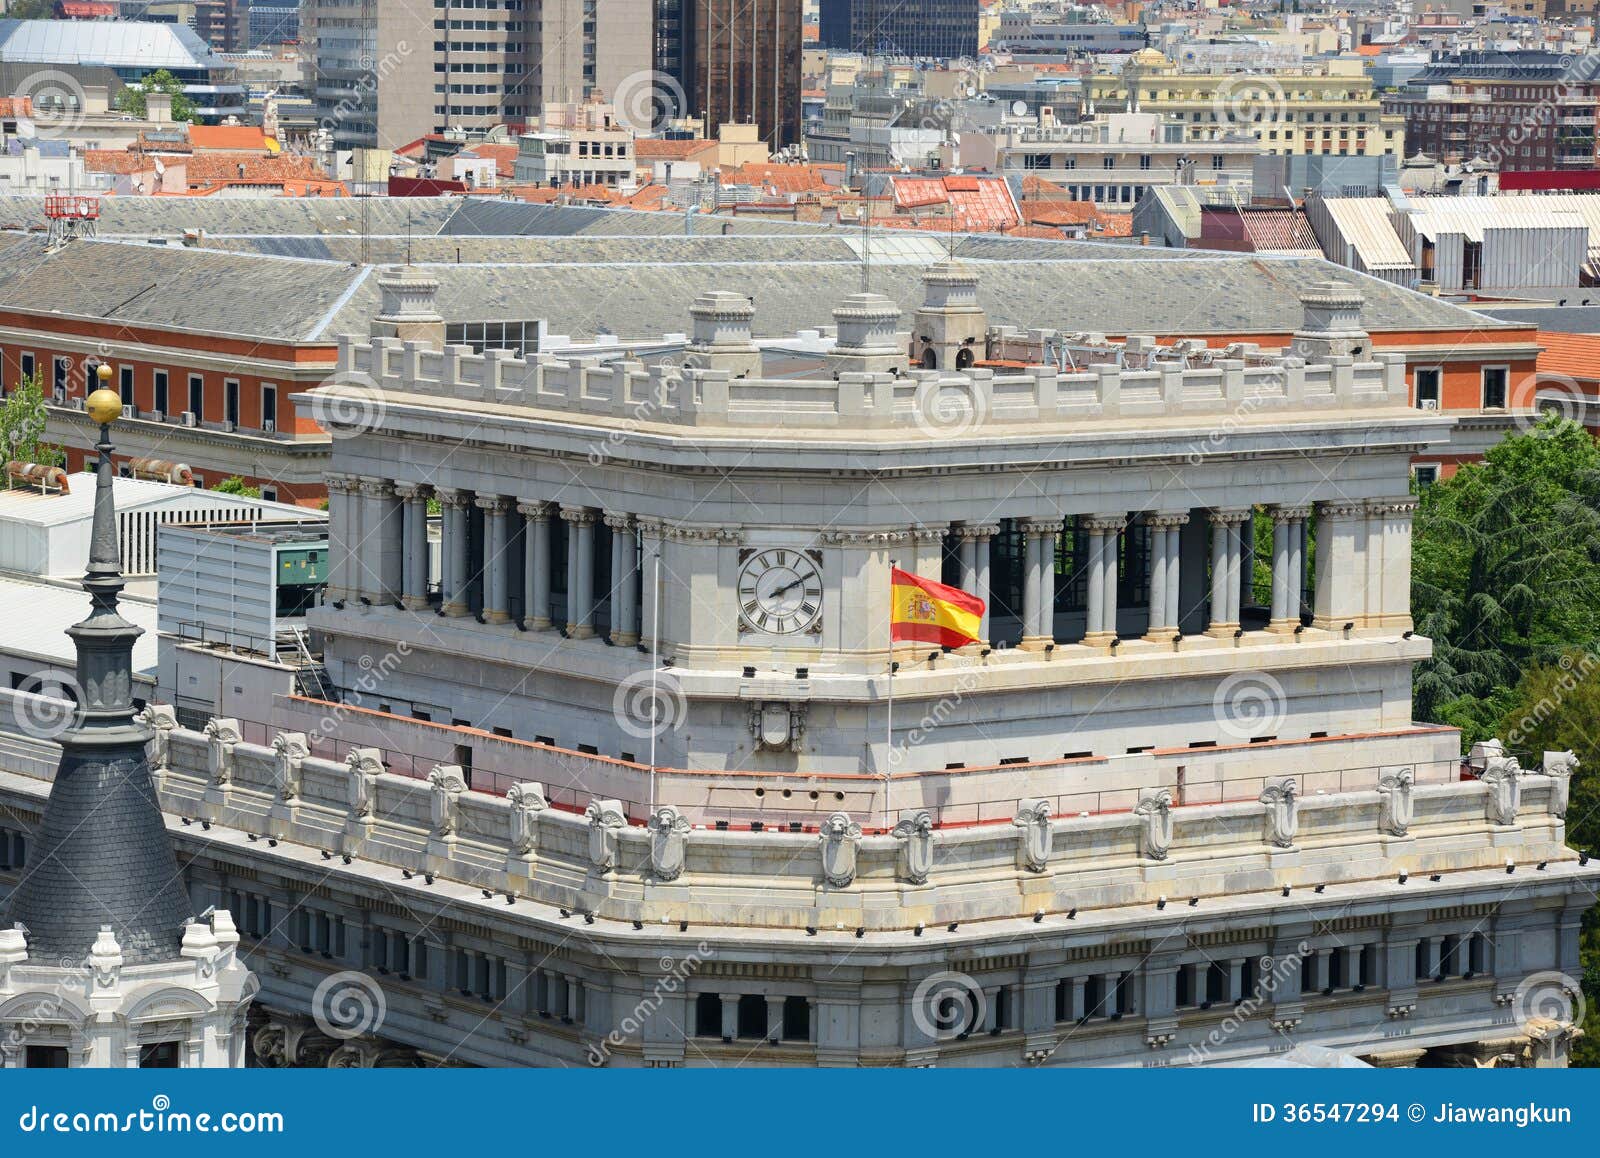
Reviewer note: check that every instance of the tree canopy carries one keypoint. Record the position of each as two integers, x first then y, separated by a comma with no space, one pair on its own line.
22,427
133,99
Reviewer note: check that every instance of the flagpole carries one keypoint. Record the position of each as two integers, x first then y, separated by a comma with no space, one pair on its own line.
655,669
888,715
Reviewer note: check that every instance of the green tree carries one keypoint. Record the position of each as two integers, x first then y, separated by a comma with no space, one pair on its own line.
1506,572
235,485
131,99
22,427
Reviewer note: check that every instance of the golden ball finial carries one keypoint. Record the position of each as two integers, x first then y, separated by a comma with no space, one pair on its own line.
103,372
104,406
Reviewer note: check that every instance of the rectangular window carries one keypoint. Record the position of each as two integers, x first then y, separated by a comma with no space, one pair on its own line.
269,494
125,382
158,379
29,366
230,400
1494,387
1426,474
63,368
46,1057
1427,387
159,1055
269,408
197,396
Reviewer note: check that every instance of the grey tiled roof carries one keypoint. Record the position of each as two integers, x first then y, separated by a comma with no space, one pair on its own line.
102,856
170,216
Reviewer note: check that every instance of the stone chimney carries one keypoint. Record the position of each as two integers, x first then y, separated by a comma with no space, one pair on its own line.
96,100
868,340
1332,325
158,108
950,328
409,309
720,334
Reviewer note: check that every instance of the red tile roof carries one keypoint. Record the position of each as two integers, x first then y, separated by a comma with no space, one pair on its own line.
650,149
207,168
1570,355
235,138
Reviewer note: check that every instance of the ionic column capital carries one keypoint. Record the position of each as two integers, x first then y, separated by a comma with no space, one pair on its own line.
970,531
1226,515
1291,514
536,509
578,516
1105,524
410,491
1042,525
619,520
342,484
495,504
453,499
1167,519
377,488
1342,509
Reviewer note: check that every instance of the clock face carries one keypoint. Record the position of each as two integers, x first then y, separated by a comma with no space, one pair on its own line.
780,592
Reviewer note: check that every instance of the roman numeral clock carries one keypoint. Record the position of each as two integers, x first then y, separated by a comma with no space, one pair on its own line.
780,592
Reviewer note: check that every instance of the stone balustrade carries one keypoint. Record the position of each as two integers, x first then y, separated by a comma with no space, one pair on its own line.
688,396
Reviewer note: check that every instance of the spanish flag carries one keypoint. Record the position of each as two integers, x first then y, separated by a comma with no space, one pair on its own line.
927,612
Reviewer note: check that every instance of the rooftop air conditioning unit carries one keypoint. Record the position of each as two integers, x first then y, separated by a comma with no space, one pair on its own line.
157,416
190,418
229,427
1429,404
130,412
269,426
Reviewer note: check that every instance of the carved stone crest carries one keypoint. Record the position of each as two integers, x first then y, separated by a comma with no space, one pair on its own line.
527,800
1037,834
1154,811
669,832
838,840
1560,766
105,958
365,765
1503,775
445,786
221,736
606,820
1282,799
916,836
290,750
161,720
1395,787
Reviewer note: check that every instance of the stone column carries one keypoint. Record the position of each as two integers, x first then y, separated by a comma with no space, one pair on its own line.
453,504
651,541
1075,1010
928,552
730,1016
1040,625
1030,590
1165,575
1101,626
380,542
1341,565
341,501
1235,979
1282,571
1352,966
1245,577
774,1018
496,604
414,594
580,571
536,572
975,538
1297,517
624,579
1225,572
1394,595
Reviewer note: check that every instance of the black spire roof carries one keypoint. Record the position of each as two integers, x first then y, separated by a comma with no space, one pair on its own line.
102,855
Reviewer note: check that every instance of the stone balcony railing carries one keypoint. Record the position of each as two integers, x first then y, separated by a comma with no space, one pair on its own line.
595,861
670,396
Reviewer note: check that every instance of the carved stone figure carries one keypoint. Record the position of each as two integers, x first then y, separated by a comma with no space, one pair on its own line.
606,820
271,1045
290,750
161,720
1560,766
839,837
365,765
527,801
1395,787
1282,799
1154,811
1503,775
221,736
1037,834
916,836
445,786
669,832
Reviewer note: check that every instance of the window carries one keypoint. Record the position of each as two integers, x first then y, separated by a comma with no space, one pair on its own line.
159,1055
158,379
1427,387
63,370
1494,387
269,494
28,366
197,396
269,408
46,1057
1426,474
230,400
125,382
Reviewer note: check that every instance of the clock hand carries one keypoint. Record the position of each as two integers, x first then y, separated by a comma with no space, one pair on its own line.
787,587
